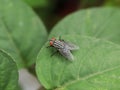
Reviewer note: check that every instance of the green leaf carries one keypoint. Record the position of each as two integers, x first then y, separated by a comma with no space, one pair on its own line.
37,3
21,32
96,22
96,66
112,3
8,73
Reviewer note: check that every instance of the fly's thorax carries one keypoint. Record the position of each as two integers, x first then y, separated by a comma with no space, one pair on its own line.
58,44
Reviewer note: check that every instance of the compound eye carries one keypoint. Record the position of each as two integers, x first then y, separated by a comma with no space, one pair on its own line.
51,43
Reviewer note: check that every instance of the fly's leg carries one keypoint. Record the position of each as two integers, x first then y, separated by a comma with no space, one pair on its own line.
60,38
54,53
49,46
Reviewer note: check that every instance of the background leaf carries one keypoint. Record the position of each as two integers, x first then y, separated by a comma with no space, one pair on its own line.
37,3
97,22
96,66
8,73
22,32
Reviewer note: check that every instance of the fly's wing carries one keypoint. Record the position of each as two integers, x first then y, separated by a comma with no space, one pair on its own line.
66,53
71,46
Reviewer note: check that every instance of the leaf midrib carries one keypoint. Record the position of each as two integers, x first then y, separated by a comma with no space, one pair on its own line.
11,39
87,77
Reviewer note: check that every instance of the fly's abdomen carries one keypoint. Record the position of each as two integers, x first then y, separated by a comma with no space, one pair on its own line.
58,44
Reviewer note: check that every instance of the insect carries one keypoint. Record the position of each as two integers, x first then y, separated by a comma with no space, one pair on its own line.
63,47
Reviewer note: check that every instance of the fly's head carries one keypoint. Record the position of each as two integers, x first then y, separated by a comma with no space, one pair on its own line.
58,44
51,41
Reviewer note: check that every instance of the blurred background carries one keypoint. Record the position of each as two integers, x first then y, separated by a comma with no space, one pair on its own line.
51,11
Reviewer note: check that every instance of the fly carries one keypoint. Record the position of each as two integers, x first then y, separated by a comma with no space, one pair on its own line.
63,47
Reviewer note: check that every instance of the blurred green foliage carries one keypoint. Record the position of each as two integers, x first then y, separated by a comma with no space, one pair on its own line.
112,3
51,11
20,34
37,3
